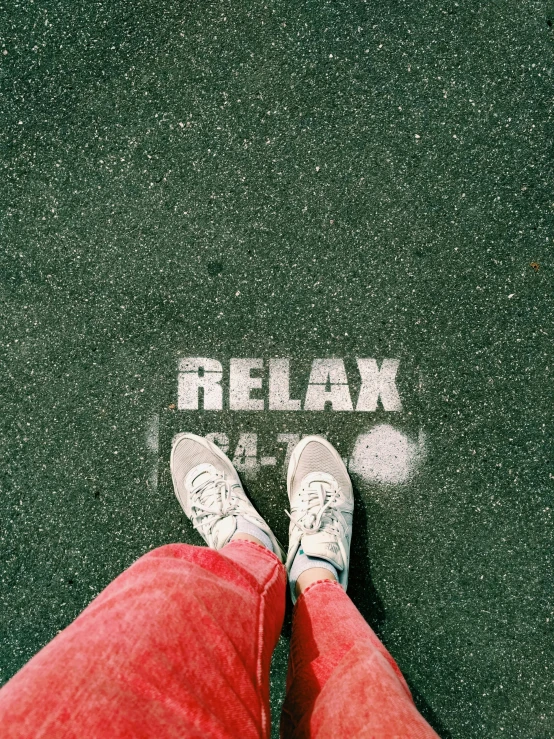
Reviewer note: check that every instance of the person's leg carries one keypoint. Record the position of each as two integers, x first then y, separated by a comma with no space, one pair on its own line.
178,645
341,680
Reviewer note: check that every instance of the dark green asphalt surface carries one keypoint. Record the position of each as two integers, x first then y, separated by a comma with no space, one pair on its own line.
327,179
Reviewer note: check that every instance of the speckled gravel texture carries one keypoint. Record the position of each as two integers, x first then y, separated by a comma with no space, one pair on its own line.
325,179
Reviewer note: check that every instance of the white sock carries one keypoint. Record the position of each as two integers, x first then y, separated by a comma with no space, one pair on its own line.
303,562
247,527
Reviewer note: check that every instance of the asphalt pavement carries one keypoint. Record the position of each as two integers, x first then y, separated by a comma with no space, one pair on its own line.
367,184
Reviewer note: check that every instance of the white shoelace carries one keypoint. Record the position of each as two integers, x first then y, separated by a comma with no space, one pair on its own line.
212,500
320,515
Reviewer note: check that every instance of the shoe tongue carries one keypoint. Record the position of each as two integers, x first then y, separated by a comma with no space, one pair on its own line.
318,477
199,475
223,530
324,546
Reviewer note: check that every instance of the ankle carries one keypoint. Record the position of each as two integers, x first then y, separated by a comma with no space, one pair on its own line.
240,536
308,577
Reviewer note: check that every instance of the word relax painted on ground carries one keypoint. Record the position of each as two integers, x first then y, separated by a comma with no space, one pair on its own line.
328,385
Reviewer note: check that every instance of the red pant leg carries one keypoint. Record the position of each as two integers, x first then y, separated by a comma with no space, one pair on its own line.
178,646
342,682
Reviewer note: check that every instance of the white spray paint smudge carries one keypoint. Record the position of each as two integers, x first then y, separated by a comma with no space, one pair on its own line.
387,456
152,445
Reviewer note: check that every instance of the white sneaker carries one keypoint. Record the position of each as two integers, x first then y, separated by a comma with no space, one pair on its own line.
322,504
210,491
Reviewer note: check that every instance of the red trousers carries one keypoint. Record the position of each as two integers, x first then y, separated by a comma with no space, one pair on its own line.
180,644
